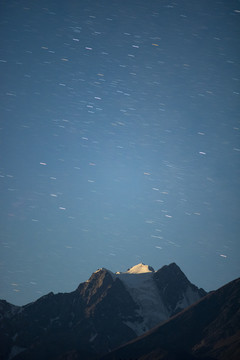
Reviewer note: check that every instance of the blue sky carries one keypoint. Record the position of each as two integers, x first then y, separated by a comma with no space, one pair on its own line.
119,141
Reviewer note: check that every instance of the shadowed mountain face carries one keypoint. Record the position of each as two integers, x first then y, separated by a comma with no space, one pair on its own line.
175,289
209,330
103,313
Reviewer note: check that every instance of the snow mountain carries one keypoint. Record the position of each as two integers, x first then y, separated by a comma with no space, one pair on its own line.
158,295
206,330
103,313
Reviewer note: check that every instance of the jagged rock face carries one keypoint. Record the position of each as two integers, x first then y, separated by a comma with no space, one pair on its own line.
82,319
175,289
101,314
7,310
107,306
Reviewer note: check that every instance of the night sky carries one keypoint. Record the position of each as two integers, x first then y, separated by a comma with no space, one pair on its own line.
120,141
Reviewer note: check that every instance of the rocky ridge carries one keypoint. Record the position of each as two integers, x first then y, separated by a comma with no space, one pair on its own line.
103,313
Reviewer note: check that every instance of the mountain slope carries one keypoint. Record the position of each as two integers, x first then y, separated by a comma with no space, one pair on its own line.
101,314
209,329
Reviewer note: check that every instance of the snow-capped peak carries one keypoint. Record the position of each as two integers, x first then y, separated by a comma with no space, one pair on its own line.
139,282
140,269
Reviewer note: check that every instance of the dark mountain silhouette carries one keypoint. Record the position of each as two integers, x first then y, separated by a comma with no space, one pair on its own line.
103,313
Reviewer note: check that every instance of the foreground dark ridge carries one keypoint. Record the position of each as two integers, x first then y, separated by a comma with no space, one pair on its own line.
209,330
103,313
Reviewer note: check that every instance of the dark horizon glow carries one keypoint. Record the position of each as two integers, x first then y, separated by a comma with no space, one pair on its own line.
119,141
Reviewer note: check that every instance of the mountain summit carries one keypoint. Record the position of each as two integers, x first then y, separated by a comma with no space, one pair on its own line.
140,269
157,294
104,312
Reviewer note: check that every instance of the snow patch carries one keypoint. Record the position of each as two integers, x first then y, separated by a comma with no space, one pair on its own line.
15,337
15,351
189,297
93,337
54,319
